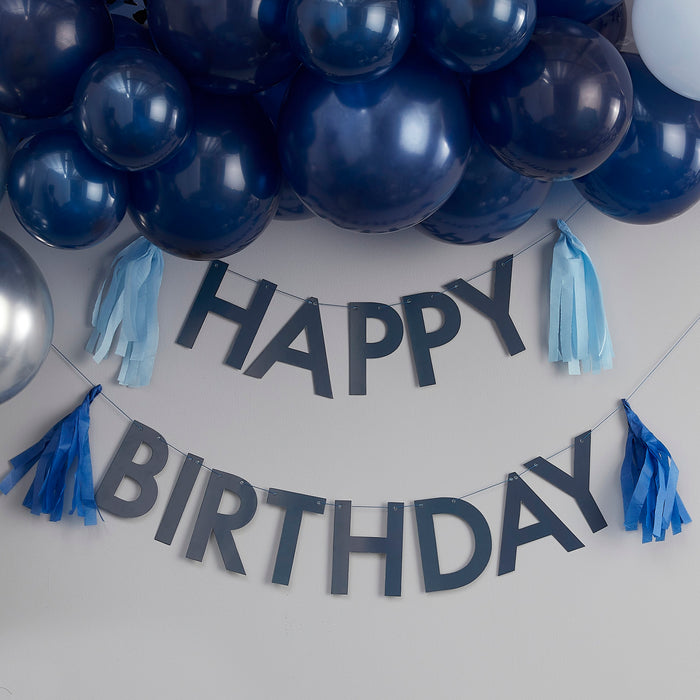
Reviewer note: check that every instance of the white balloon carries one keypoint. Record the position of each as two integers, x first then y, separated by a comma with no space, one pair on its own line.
666,35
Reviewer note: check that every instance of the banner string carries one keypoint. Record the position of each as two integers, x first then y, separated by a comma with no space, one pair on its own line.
575,210
604,420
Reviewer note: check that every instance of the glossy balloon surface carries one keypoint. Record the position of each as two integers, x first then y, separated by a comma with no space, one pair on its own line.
217,194
132,109
290,207
490,201
63,195
654,174
17,129
376,156
666,35
45,45
612,25
345,40
561,108
129,34
474,36
26,318
224,47
580,10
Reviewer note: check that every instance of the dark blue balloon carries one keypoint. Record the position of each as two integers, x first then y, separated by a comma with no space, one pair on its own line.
580,10
474,36
129,34
133,109
45,45
290,207
612,25
18,128
561,108
654,174
349,40
225,47
490,201
376,156
63,195
218,193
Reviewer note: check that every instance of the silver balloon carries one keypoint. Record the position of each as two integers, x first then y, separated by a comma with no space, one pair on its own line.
26,318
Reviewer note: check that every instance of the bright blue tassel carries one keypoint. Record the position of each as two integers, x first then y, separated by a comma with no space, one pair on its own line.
130,297
649,478
578,329
64,445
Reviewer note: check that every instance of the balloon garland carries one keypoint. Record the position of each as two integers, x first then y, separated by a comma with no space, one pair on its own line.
460,131
374,132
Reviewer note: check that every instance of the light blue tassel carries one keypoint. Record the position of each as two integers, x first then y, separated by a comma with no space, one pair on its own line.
649,480
64,445
130,297
578,329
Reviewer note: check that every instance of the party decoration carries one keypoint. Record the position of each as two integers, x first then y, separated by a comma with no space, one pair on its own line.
26,318
649,480
349,41
581,10
561,108
290,207
17,129
578,328
222,525
65,445
473,36
61,194
666,37
307,319
233,47
133,109
377,156
45,45
219,192
654,174
490,201
612,25
129,298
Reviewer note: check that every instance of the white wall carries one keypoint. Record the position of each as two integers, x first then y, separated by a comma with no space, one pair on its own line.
109,612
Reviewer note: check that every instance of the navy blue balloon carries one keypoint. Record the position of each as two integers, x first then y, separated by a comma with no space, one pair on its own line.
17,129
45,45
348,40
133,109
474,36
63,195
490,201
130,34
612,25
219,192
224,47
290,207
580,10
654,174
376,156
561,108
